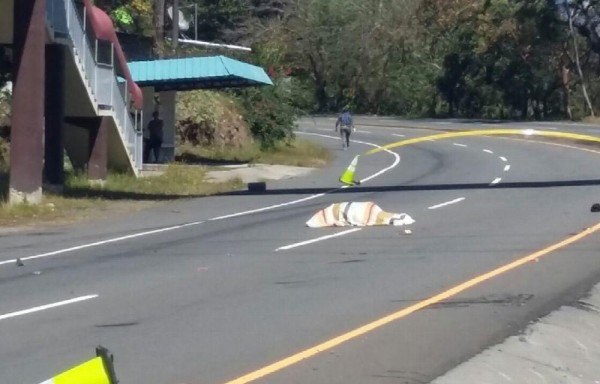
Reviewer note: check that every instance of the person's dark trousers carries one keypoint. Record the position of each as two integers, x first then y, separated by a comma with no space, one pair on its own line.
345,133
155,146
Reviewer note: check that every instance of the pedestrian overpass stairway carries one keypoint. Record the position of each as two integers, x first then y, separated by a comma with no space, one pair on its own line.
96,85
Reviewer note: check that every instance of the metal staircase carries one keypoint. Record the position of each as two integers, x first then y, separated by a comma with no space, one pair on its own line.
94,87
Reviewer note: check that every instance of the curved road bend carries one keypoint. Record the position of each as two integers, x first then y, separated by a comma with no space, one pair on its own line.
197,291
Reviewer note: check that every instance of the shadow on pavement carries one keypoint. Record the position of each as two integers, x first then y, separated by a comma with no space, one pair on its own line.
424,187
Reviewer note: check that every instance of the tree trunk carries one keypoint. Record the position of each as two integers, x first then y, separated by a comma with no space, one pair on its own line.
578,64
320,84
525,109
159,26
565,93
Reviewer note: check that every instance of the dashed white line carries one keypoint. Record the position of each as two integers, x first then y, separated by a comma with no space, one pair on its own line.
398,135
311,241
47,306
394,164
447,203
503,158
459,145
496,180
488,151
244,213
102,242
506,168
361,131
195,223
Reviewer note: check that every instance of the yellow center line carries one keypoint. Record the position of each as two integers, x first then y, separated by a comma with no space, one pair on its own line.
291,360
486,132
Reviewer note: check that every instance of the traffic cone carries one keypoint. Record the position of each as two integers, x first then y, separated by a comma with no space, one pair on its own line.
348,176
98,370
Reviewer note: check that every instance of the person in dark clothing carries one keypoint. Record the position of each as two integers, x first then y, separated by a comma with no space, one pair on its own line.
155,139
346,125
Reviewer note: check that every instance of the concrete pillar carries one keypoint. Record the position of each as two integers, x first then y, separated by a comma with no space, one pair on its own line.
149,108
167,114
54,171
98,162
149,105
27,148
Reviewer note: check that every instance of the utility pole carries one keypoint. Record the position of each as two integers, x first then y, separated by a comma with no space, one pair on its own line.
175,20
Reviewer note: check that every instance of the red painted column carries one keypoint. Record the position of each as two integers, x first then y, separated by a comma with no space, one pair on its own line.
27,147
98,163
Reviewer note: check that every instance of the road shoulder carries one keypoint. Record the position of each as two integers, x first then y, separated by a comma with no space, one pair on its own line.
563,347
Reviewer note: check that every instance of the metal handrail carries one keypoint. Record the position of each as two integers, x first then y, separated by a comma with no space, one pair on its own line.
100,78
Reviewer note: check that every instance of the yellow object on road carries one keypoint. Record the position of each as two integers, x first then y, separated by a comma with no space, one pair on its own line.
348,176
98,370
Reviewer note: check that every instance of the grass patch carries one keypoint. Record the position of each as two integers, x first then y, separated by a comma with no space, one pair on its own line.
300,153
58,210
178,181
591,120
120,194
123,193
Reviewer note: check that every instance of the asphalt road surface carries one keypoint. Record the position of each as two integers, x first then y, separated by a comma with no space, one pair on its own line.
228,289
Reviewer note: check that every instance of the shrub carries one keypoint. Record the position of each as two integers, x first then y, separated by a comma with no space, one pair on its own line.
269,114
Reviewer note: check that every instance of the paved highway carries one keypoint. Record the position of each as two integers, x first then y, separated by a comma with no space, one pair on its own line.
227,289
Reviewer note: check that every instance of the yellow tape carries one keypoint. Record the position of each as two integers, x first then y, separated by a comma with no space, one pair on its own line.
90,372
485,132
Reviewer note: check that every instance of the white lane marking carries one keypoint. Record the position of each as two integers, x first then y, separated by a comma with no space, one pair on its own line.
506,168
394,164
315,240
503,158
496,180
361,131
488,151
47,306
459,145
447,203
324,129
238,214
195,223
398,135
102,242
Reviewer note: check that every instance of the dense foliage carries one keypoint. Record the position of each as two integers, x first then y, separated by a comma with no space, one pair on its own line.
492,58
525,59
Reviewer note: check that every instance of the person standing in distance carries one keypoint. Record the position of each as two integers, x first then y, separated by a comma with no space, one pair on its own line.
155,140
345,123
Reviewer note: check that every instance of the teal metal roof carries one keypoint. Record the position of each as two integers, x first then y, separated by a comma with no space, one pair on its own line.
197,73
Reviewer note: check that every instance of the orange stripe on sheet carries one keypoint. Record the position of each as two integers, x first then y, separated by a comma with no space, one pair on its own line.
370,213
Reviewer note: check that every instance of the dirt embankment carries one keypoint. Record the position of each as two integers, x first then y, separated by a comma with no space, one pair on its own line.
210,119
